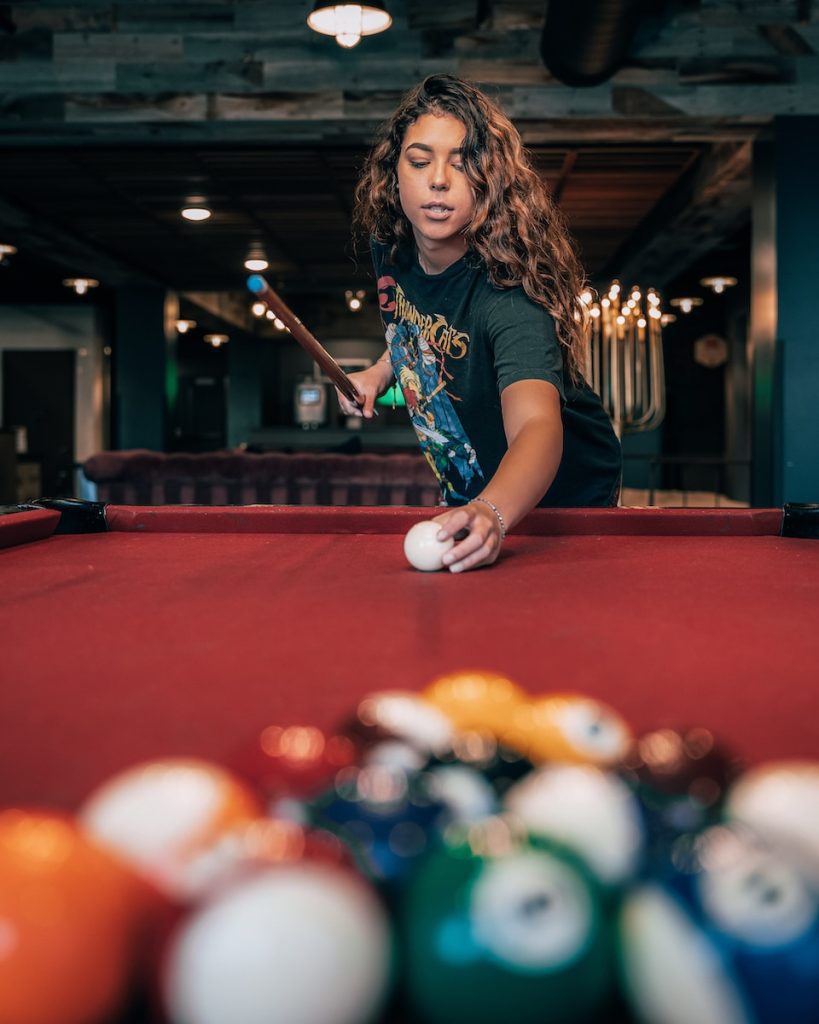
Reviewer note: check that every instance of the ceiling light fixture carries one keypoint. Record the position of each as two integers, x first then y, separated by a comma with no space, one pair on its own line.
80,284
354,300
216,340
626,355
196,213
278,324
183,326
349,22
7,250
258,309
718,284
685,304
256,262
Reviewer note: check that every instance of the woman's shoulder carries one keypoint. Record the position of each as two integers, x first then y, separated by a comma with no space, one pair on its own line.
513,304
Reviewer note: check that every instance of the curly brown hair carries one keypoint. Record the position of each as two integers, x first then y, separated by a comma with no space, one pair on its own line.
517,229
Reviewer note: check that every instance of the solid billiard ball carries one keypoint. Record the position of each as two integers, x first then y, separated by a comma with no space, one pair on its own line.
163,817
423,549
477,702
680,777
69,915
388,817
291,763
304,942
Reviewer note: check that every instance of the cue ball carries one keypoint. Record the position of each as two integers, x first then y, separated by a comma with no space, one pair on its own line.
423,549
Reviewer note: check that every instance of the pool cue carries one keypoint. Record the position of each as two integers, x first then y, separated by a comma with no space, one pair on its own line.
317,352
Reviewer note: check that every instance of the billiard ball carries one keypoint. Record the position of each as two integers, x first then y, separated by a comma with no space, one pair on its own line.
423,549
476,701
388,817
70,914
680,776
401,716
779,800
729,933
304,943
288,764
162,816
496,929
587,809
569,727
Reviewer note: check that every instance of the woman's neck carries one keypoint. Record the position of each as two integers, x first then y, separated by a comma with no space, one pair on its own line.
436,257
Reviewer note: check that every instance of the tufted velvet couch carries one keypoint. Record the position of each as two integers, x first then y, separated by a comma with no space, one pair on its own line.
141,477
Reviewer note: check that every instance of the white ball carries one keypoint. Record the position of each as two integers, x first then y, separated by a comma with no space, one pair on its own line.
423,549
305,944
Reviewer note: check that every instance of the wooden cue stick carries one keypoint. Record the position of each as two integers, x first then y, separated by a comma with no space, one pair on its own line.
317,352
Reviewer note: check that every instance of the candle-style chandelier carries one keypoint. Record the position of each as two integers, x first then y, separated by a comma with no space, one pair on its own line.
626,356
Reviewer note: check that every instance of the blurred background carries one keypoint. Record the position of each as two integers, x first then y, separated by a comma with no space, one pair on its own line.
679,137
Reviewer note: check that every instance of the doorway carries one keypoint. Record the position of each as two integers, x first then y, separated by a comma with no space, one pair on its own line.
38,394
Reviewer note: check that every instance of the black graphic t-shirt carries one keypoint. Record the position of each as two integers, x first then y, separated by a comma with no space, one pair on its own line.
456,341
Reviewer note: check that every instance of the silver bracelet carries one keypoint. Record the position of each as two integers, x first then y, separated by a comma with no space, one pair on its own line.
496,510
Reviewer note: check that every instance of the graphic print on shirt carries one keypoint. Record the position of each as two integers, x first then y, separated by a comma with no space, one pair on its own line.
417,345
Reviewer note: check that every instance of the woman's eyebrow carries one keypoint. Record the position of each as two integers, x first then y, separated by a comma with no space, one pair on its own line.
428,149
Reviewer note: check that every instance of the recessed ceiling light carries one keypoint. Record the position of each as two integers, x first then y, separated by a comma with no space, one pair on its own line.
196,213
256,263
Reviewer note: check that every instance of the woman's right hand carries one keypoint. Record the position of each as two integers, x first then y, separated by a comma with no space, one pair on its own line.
370,384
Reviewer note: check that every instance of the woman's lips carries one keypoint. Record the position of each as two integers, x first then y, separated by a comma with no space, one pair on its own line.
437,212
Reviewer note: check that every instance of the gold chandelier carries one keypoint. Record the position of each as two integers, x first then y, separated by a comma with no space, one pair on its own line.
626,356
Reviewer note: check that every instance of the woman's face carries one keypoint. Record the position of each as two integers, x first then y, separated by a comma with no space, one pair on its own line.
435,193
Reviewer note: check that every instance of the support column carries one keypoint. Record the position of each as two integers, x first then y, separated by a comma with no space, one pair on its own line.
244,398
145,378
783,347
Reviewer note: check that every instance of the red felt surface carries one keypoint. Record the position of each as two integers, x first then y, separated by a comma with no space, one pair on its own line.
129,645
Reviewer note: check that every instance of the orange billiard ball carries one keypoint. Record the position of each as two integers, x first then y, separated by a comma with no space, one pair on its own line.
70,918
477,701
570,727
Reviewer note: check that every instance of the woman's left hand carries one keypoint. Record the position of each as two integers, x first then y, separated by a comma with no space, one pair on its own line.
481,545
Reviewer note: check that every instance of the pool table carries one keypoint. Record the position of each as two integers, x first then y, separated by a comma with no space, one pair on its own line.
182,630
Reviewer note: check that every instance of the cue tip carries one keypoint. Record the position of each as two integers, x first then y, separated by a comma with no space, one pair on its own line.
256,283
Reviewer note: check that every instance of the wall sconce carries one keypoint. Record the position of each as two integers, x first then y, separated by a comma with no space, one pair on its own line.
183,326
626,356
718,284
80,284
354,300
216,340
666,319
686,303
7,250
349,22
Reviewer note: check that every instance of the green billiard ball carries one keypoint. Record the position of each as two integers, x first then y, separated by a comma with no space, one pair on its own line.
496,928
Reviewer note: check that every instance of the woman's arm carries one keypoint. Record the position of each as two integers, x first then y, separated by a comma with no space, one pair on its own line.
371,384
534,432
